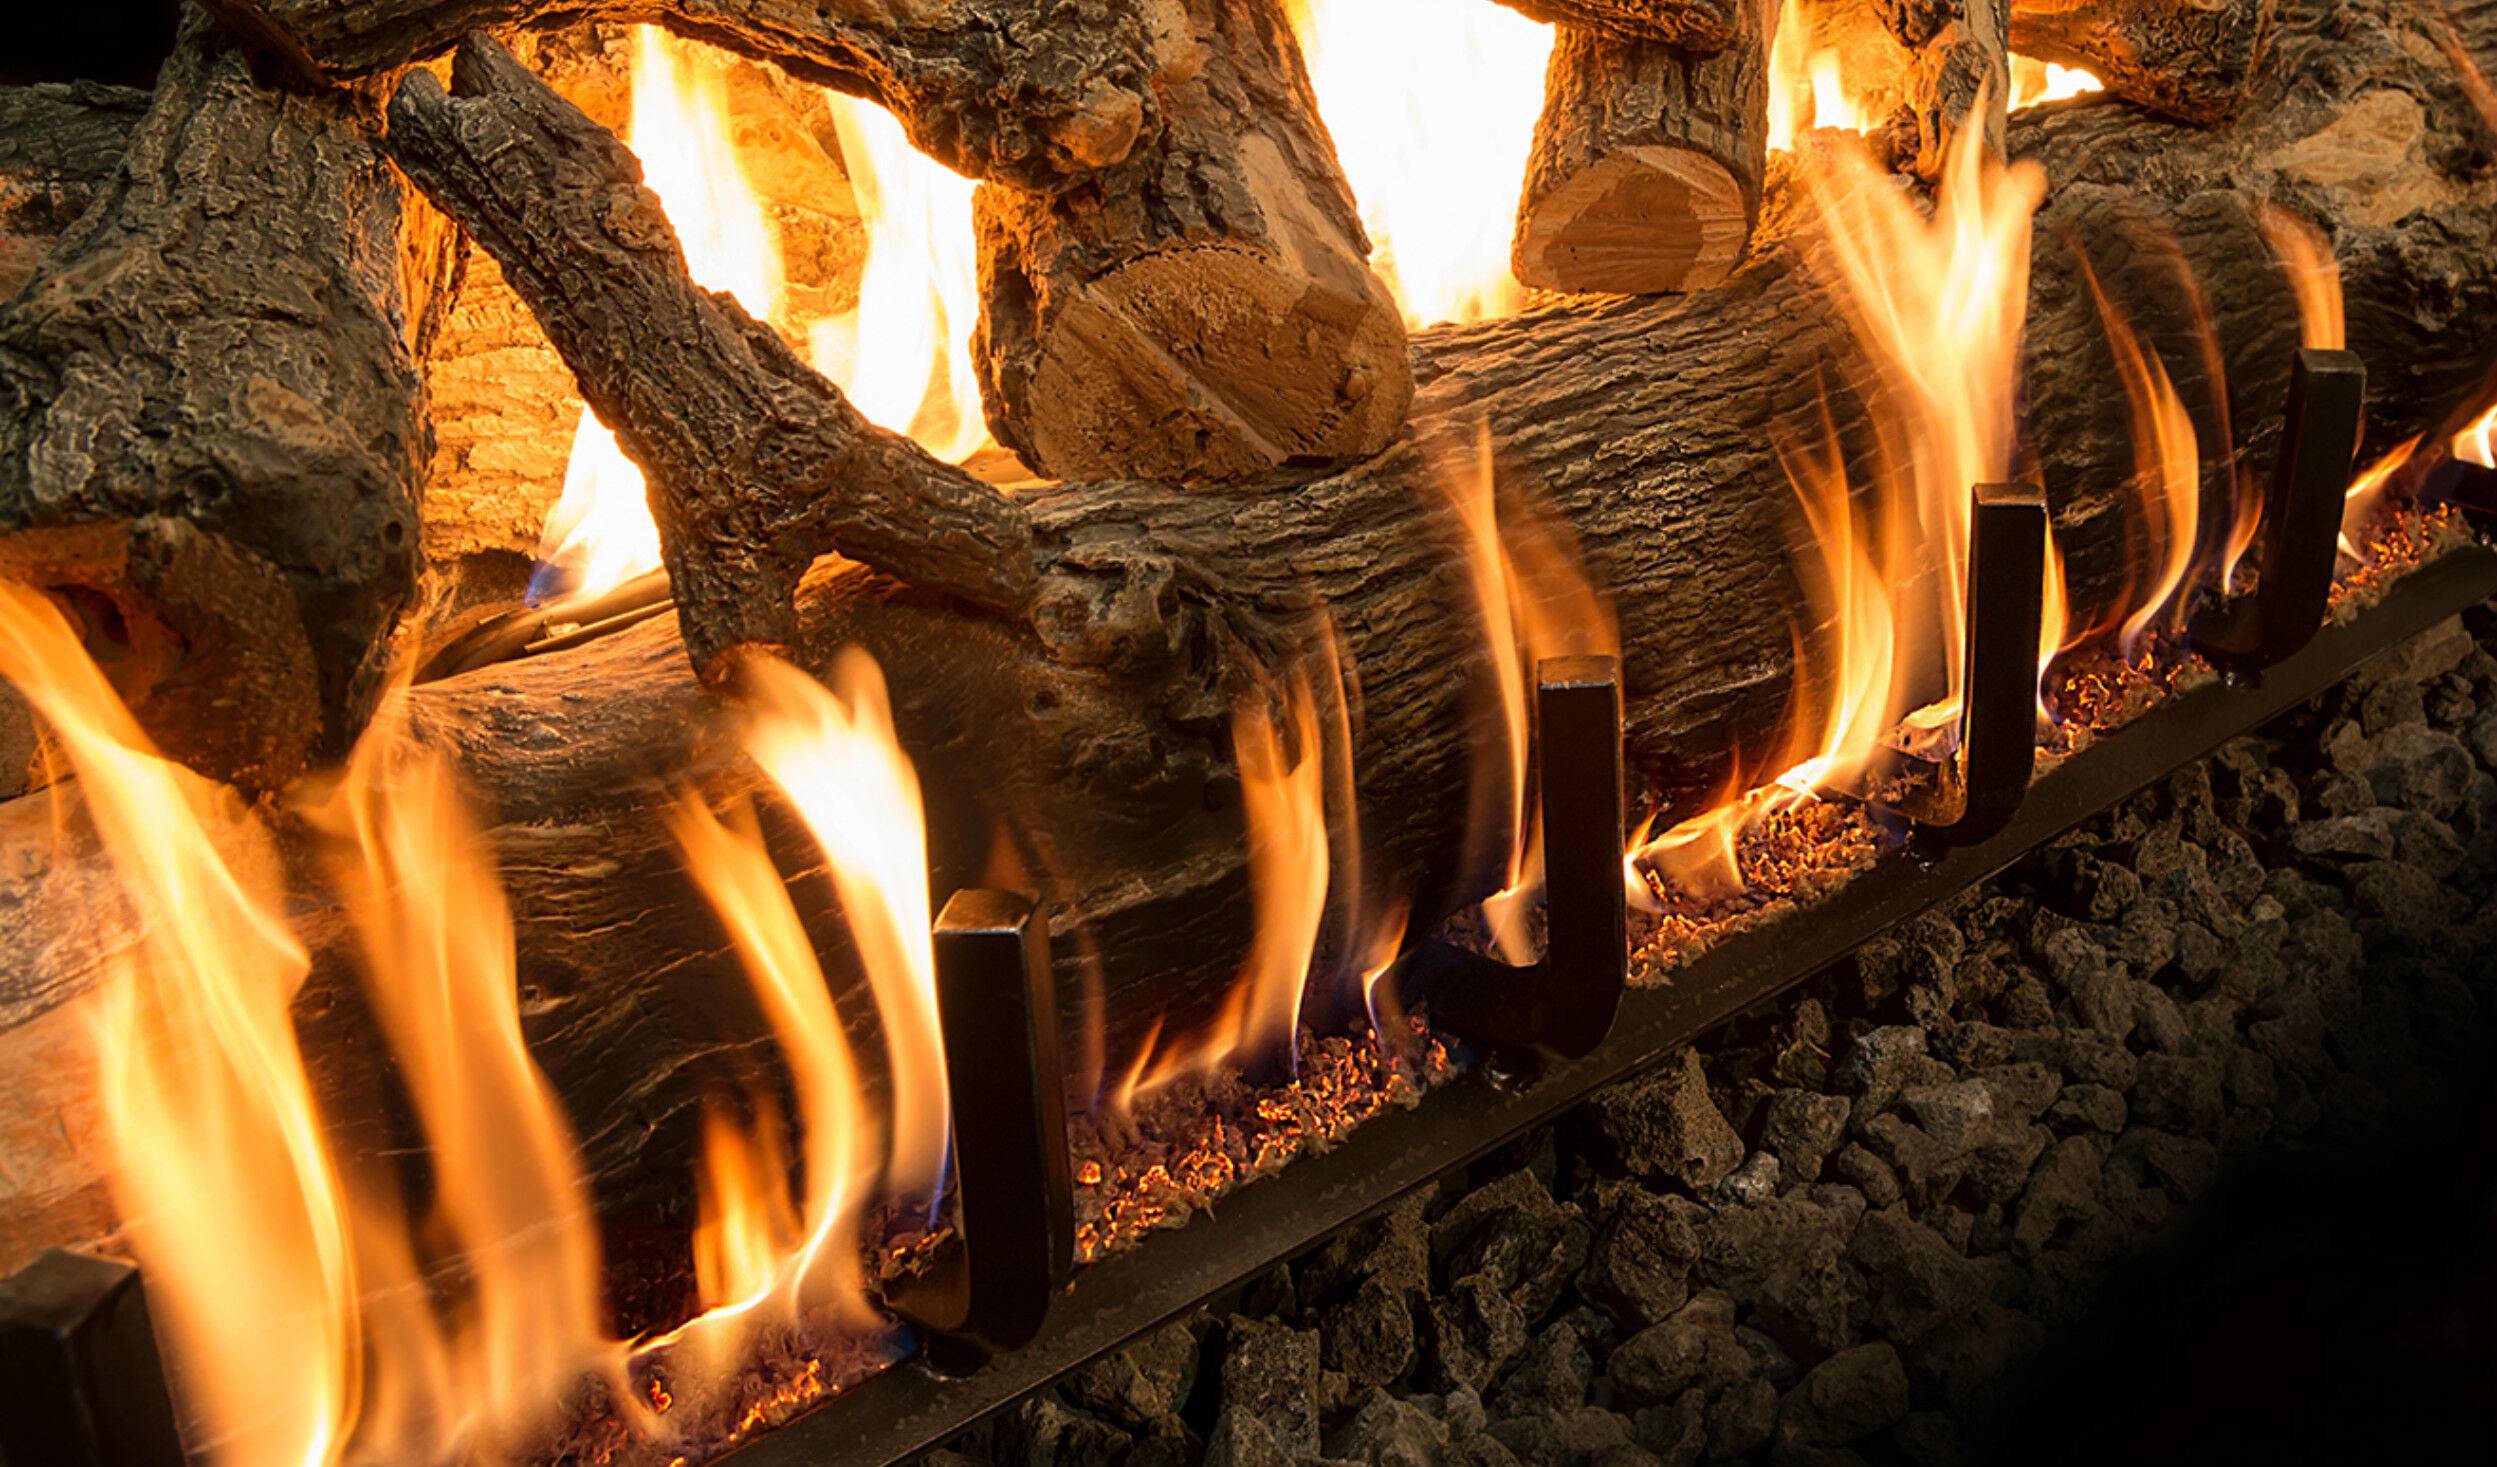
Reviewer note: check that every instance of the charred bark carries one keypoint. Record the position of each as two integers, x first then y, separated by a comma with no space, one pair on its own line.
59,142
756,464
212,430
1647,163
1036,95
2192,62
1961,75
1205,310
1693,25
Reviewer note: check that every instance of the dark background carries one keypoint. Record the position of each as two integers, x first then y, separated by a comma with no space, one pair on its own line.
120,41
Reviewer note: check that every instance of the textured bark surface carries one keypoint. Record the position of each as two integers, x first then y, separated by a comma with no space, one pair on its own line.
1693,25
1093,731
756,464
212,431
1206,309
59,142
2190,61
1036,92
1961,76
1647,163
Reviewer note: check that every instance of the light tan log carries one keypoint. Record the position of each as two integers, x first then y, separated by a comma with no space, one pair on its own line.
2188,59
1961,77
1693,25
1204,311
1647,161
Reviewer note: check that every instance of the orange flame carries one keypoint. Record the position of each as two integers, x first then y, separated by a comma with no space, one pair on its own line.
2314,274
1432,106
219,1165
834,754
1937,305
904,356
1809,85
2361,502
2477,444
2167,470
601,534
2034,81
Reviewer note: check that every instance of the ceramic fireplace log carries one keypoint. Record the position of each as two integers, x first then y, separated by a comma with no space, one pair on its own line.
1694,25
757,465
59,144
1960,77
1647,163
1205,310
212,427
2190,61
991,88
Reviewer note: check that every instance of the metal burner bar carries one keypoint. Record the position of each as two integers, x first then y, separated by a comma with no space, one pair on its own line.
81,1384
2301,518
989,1287
907,1410
1565,1004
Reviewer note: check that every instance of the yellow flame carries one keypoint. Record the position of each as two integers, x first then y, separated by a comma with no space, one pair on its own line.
1808,84
904,356
834,754
1432,105
2477,444
2167,469
234,1207
2034,81
2362,502
2314,274
508,1195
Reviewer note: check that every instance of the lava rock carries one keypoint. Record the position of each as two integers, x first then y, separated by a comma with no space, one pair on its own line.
1694,1350
1143,1384
1951,1114
1927,1170
1676,1433
1370,1337
2404,897
1739,1421
1845,1398
1587,1437
1048,1434
1666,1124
1270,1375
2097,1108
1918,1281
1476,1330
2020,1092
2366,835
1638,1269
1782,1258
1549,1378
1964,1363
2181,1166
1927,1439
1996,1169
2092,1058
1386,1431
2063,1189
2419,768
1754,1181
1887,1060
2180,1093
1871,1175
1801,1130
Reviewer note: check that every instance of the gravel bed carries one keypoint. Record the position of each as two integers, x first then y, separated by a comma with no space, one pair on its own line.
2141,1151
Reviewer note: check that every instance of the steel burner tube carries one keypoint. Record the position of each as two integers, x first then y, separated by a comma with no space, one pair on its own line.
989,1287
83,1384
2301,517
1587,957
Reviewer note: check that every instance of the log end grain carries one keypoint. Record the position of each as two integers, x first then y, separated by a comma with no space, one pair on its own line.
1638,222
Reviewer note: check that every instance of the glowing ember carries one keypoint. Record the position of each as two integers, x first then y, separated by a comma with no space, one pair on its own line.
1432,105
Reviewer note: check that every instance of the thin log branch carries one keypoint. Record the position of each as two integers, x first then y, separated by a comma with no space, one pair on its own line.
1040,96
2193,62
1693,25
756,464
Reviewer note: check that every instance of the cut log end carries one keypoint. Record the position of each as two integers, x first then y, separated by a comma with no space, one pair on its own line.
1643,222
1207,363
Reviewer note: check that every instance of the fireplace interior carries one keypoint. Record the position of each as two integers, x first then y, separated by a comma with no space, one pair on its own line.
751,732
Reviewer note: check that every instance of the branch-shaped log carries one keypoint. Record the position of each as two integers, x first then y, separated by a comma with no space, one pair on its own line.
59,143
1038,94
1646,169
212,429
756,465
2190,61
1693,25
1205,310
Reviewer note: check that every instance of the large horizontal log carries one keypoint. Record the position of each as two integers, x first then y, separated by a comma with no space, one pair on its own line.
1038,95
1092,731
212,429
1204,310
756,464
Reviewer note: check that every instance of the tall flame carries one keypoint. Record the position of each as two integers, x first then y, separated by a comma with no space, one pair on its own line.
904,356
219,1164
2314,274
1937,306
601,534
2167,470
1432,105
1809,87
834,754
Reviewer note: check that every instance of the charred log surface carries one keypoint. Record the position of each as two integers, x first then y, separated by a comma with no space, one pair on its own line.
59,142
1693,25
756,464
1205,310
1961,76
212,430
1647,163
1039,95
2191,62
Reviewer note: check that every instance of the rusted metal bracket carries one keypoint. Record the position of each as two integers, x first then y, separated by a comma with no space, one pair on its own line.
81,1383
2301,519
1566,1003
1977,793
989,1285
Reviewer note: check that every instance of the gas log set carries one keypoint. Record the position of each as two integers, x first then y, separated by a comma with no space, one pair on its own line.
739,725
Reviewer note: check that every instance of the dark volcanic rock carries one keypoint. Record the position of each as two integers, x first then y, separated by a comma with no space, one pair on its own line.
1666,1124
1845,1398
1694,1350
1638,1270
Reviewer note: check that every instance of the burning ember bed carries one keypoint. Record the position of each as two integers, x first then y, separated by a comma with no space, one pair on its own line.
662,789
